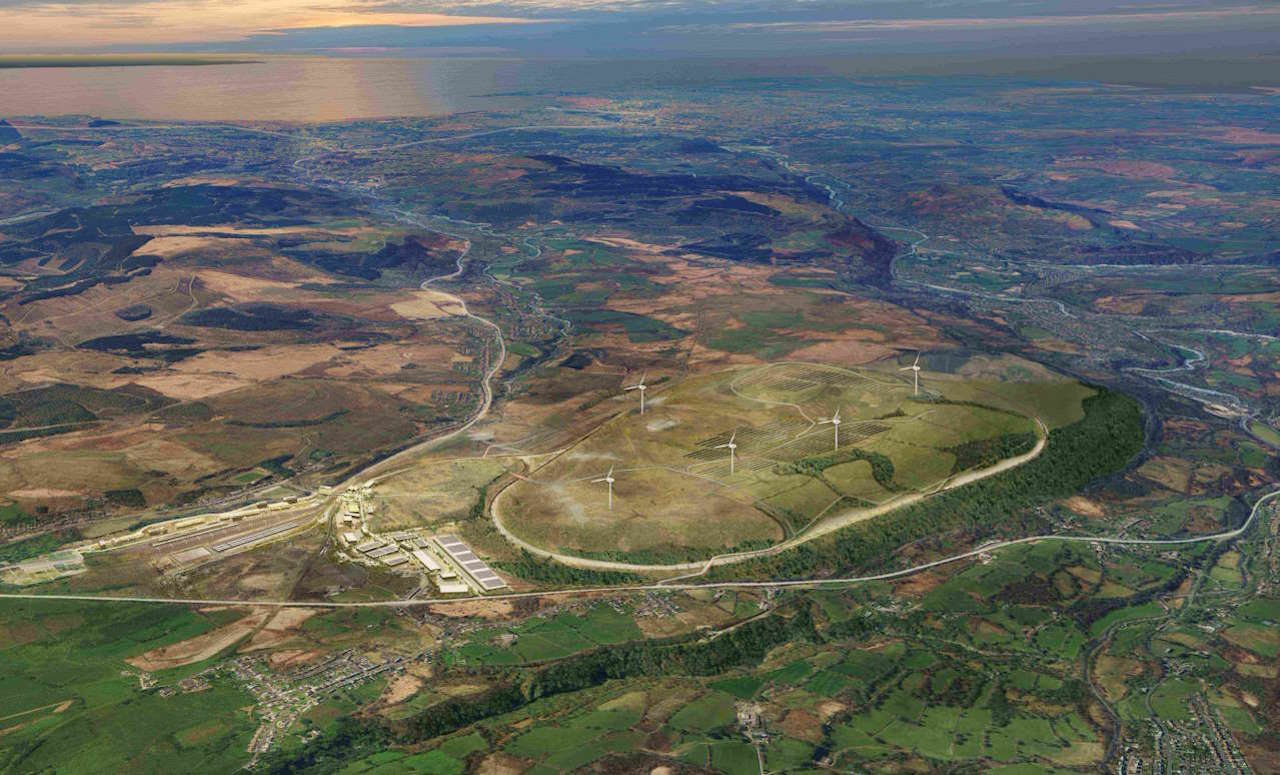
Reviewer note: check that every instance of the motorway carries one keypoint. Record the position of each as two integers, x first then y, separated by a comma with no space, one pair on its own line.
661,586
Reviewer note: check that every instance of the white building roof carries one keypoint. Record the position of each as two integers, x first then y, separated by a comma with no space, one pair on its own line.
474,566
427,560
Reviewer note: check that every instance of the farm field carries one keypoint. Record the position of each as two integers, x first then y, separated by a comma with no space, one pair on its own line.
72,701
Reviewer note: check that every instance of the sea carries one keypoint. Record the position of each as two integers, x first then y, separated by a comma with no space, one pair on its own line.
329,89
293,89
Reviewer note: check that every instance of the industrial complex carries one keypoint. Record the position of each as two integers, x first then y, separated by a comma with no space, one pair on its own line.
444,559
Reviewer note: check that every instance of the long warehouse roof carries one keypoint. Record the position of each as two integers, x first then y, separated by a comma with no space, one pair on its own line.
239,541
474,566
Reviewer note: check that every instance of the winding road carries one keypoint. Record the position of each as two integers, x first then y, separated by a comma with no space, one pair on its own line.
486,383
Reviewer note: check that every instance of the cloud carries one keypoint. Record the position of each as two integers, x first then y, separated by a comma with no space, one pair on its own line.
96,23
597,26
999,22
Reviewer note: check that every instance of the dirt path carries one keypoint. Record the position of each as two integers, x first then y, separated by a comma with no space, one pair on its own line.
201,647
53,707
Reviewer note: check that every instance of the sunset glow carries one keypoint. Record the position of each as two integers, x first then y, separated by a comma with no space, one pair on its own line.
55,27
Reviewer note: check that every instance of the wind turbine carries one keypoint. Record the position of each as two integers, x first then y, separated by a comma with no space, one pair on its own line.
609,480
731,447
834,422
641,387
915,369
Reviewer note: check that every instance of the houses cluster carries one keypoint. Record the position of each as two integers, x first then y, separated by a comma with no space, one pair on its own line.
282,699
1202,743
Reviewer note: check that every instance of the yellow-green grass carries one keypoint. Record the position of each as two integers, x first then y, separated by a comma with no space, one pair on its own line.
78,471
1259,639
806,497
1265,432
652,509
916,467
855,480
1058,403
442,491
673,485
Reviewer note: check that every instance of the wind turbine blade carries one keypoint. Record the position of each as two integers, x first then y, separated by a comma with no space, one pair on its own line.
917,363
904,368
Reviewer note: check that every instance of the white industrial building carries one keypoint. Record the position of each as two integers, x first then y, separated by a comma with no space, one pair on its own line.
467,560
428,562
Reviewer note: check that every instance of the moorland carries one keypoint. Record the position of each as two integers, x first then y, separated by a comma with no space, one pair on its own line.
211,332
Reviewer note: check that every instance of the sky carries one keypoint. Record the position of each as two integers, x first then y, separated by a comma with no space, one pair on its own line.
638,27
72,24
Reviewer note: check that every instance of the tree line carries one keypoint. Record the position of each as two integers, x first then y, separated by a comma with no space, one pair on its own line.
744,645
1101,443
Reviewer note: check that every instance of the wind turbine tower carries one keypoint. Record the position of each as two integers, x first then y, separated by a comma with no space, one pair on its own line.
834,422
609,480
915,372
641,387
731,447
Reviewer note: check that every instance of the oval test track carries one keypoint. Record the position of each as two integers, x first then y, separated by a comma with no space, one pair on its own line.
824,527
